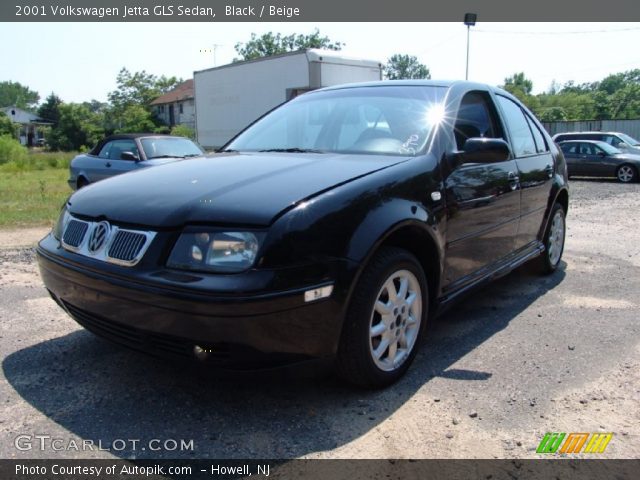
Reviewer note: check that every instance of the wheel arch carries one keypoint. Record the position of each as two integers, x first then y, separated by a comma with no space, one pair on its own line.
418,239
561,196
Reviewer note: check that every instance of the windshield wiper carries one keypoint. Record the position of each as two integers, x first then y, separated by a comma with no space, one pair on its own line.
165,156
292,150
192,155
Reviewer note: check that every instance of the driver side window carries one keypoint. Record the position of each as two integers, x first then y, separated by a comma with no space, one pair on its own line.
476,117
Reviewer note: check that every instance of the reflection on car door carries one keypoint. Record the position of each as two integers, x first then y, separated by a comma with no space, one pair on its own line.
595,163
535,166
483,200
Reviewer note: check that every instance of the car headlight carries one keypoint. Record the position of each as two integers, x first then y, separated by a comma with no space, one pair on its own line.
224,252
58,228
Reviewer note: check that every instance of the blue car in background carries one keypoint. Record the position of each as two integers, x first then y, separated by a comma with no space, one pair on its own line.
122,153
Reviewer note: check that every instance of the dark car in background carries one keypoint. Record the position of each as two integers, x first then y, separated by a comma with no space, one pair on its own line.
123,153
589,158
621,141
334,228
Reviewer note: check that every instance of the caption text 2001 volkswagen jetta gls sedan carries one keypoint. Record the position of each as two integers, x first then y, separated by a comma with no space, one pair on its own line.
333,227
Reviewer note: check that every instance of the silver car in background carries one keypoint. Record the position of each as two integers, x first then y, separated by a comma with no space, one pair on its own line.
123,153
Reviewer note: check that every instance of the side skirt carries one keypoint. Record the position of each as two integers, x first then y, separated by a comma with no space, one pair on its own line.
487,275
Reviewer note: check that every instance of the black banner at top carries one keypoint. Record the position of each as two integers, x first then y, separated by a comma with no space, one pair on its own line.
315,10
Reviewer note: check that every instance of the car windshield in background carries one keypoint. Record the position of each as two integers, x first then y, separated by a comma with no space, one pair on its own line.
372,120
629,140
169,147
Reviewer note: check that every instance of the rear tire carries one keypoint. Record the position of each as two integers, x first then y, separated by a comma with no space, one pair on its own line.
626,174
554,238
385,320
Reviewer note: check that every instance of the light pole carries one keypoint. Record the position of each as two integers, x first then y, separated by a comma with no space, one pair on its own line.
469,21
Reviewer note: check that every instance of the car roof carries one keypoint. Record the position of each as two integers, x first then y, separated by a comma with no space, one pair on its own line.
591,132
578,140
126,136
123,136
414,83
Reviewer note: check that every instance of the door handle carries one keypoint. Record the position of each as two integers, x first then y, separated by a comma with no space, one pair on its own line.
549,170
514,179
108,164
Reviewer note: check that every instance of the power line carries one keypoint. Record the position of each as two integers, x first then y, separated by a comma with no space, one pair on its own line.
575,32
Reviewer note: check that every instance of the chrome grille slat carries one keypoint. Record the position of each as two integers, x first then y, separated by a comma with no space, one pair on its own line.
122,246
75,232
126,245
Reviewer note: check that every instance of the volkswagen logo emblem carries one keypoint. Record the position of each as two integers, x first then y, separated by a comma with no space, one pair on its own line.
99,236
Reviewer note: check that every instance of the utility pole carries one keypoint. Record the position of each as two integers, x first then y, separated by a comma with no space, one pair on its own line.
469,21
215,48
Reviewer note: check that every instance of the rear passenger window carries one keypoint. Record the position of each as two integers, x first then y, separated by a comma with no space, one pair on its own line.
521,136
541,144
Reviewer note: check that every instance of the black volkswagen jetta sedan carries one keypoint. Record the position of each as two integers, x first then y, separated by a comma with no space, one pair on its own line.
334,227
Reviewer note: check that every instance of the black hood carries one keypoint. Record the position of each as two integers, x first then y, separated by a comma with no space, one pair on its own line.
242,189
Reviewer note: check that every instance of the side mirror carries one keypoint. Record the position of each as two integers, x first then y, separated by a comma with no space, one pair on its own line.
485,150
601,153
129,156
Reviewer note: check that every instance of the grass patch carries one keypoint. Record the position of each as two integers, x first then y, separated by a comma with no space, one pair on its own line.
38,160
32,197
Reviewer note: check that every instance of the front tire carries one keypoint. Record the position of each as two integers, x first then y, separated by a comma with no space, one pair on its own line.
626,174
385,320
82,182
554,238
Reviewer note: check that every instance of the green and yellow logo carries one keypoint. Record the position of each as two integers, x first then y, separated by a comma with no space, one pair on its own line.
573,443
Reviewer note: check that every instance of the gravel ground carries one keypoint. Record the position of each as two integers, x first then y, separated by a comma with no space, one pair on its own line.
521,357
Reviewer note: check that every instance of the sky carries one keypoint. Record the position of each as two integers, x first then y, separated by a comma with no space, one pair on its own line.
80,61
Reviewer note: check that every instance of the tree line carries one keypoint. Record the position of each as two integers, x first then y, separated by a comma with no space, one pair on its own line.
128,109
615,97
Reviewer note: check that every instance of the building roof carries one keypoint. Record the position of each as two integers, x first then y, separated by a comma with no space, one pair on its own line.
184,91
18,115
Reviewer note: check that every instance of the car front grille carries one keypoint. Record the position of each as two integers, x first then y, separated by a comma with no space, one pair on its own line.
129,336
75,232
126,245
106,242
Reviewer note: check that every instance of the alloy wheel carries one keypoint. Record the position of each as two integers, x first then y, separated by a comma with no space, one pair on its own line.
395,320
555,243
626,173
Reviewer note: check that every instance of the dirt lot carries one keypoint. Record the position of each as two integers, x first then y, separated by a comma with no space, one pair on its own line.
521,357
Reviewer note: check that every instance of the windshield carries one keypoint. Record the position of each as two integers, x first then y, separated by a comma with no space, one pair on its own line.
610,150
629,140
393,120
165,147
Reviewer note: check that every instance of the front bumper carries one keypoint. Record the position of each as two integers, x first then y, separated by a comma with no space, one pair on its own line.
173,313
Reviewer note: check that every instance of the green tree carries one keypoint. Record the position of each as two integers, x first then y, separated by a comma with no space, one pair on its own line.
400,67
619,81
518,85
139,88
77,127
50,109
16,94
269,44
553,114
135,119
7,127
